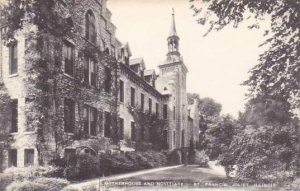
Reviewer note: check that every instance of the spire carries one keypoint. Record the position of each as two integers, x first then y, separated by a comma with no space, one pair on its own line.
173,27
173,40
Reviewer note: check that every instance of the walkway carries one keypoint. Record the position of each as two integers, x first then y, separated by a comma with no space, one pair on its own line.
96,181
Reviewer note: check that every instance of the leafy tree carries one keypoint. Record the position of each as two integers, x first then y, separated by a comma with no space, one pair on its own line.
278,73
264,153
219,135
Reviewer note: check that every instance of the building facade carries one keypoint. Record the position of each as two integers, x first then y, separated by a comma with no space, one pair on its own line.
93,86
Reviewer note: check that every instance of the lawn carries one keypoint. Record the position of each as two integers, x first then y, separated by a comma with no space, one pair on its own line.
184,178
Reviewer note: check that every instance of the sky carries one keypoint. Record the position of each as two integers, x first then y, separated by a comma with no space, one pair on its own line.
217,63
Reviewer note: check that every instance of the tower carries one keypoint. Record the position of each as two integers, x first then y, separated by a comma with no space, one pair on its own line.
172,82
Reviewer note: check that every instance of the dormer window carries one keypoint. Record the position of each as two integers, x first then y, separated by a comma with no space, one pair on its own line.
90,28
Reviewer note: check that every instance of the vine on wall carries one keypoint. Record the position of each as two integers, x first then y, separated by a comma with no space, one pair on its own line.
45,82
149,128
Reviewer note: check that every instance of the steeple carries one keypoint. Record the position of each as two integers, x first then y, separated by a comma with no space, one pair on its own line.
173,40
173,26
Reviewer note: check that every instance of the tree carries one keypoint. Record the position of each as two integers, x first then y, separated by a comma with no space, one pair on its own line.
219,135
278,73
266,147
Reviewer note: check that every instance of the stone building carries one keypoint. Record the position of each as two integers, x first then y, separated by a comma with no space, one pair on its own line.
93,86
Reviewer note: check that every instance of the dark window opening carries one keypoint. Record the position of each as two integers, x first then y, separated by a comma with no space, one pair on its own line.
69,115
121,126
150,105
90,116
157,109
174,112
14,116
165,111
13,59
107,125
142,102
90,72
108,80
69,58
132,97
28,157
121,91
133,129
12,157
165,141
90,27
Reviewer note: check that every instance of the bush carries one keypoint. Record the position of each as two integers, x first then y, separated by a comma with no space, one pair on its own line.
5,180
117,163
85,166
26,186
53,184
31,172
144,146
175,157
201,158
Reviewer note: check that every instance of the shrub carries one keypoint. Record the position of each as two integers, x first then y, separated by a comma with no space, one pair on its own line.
85,166
5,180
201,158
116,163
175,157
53,184
144,146
26,186
31,172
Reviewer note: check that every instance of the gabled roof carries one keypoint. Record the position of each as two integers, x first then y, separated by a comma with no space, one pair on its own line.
137,61
126,47
149,72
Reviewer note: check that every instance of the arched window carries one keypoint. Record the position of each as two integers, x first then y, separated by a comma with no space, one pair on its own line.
90,28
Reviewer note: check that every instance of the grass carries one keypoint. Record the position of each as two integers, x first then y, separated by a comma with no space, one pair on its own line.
189,177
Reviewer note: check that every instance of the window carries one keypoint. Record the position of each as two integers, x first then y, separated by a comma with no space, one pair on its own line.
174,112
174,137
165,111
69,115
13,59
12,157
132,97
108,79
107,125
90,27
90,116
133,129
121,91
90,72
157,109
69,58
150,105
14,116
121,126
142,102
28,157
165,141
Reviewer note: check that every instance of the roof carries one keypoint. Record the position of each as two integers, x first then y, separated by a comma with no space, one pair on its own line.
149,72
136,61
126,46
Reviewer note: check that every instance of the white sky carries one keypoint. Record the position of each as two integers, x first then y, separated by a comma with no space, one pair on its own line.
217,64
